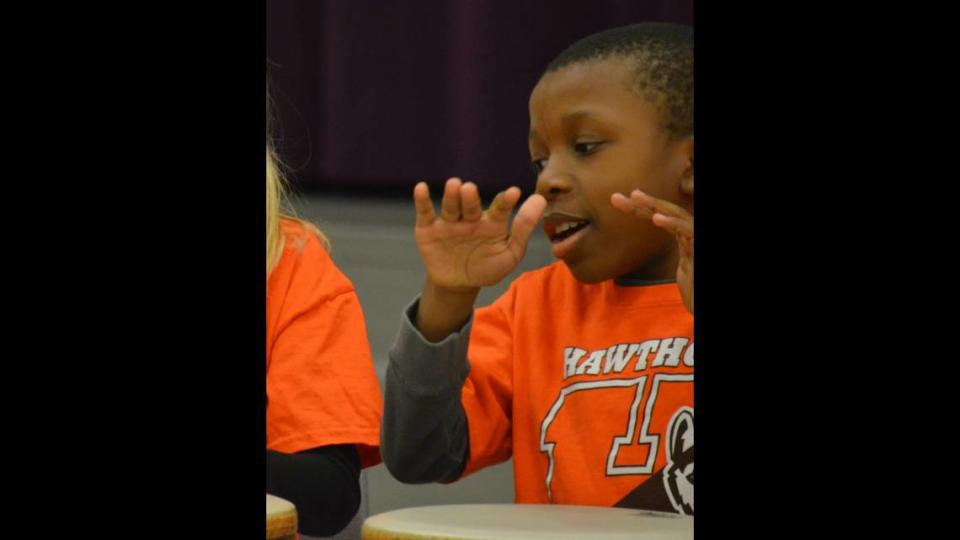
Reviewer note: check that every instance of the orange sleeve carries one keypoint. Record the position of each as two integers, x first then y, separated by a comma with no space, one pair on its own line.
488,391
321,385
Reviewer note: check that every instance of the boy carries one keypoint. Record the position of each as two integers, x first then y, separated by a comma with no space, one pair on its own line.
583,370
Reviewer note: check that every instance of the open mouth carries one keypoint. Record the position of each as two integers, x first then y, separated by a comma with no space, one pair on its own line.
564,230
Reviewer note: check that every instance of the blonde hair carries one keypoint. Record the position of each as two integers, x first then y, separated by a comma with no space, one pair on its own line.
278,209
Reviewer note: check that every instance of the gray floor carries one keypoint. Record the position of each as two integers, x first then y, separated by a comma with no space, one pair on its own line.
373,245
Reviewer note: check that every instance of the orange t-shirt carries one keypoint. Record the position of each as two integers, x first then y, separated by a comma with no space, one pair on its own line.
589,387
321,385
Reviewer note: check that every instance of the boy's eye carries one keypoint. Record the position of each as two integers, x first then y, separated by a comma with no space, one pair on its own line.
585,148
538,165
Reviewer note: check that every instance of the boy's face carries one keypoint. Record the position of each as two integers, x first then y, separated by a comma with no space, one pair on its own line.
592,136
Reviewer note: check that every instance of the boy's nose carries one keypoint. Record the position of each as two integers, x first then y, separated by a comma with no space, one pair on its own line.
551,184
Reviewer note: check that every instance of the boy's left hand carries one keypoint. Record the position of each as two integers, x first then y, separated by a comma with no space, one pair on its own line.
673,219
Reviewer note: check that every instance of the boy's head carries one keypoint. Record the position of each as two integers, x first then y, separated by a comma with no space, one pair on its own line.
614,113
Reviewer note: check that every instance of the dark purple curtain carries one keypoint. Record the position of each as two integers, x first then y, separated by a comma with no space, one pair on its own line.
375,95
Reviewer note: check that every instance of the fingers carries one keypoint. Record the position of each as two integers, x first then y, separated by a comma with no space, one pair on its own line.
461,202
470,202
686,245
664,214
423,204
450,205
525,222
642,200
674,225
503,204
622,203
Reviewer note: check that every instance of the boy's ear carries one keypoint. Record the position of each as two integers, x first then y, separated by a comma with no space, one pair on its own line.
686,181
686,184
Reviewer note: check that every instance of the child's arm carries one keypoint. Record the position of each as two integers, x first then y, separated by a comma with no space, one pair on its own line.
673,219
323,483
465,248
424,435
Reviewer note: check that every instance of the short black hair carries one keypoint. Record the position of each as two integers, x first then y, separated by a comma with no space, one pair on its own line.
663,65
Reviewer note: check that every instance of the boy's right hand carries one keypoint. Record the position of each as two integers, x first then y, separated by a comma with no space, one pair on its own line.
465,248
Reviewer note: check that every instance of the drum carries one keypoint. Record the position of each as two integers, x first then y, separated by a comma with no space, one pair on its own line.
525,522
281,519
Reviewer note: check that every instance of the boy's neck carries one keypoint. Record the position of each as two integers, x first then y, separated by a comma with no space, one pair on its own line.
657,272
632,280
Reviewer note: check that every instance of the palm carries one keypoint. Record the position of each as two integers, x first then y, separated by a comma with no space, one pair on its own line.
466,254
465,247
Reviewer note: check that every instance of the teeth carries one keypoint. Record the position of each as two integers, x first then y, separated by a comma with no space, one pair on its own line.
568,225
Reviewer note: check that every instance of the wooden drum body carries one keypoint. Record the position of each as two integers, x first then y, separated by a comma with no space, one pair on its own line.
281,519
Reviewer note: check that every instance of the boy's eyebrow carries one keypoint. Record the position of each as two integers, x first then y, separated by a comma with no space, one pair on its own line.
573,117
577,115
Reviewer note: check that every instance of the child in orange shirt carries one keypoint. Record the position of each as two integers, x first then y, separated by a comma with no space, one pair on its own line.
583,370
323,399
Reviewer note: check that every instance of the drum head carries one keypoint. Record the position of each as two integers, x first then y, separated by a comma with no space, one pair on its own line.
526,522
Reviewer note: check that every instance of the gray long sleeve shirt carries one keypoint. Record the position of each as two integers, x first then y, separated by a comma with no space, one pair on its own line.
424,436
